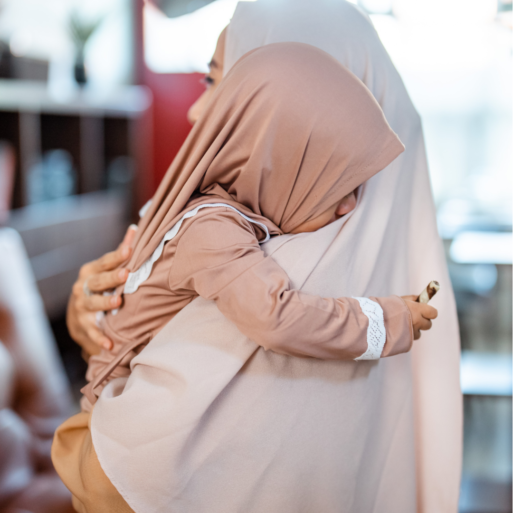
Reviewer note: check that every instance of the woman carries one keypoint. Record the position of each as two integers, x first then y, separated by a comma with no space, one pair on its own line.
260,161
346,33
342,29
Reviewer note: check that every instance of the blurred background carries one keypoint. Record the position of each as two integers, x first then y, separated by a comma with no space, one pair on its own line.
93,103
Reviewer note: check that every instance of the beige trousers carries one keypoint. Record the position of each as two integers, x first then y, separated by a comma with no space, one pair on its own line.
75,460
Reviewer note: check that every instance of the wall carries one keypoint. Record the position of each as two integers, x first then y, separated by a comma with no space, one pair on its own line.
173,94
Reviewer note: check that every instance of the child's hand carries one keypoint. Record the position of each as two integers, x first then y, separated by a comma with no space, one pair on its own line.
421,315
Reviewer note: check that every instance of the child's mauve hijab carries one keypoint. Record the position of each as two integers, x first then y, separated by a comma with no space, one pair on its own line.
287,135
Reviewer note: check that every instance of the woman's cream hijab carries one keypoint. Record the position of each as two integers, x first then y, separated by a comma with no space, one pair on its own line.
344,32
208,421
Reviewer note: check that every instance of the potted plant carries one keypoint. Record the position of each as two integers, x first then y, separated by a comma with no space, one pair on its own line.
81,31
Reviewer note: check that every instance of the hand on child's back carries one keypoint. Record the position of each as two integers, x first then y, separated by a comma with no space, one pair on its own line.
421,315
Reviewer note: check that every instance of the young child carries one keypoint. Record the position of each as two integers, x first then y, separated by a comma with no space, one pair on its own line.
285,141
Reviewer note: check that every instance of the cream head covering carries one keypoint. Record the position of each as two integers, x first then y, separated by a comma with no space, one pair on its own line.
347,34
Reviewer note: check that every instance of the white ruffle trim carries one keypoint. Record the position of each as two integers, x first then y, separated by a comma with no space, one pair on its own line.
138,277
376,332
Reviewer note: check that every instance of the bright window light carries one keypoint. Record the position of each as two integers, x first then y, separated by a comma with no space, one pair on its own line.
184,44
482,248
486,373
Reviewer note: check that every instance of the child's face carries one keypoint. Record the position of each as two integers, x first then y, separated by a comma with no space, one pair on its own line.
332,214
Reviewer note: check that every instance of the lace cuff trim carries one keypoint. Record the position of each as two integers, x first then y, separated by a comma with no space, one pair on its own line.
138,277
376,332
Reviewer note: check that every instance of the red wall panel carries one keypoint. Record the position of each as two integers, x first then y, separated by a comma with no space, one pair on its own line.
173,94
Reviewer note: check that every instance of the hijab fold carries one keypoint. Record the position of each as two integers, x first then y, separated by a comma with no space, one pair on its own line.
346,33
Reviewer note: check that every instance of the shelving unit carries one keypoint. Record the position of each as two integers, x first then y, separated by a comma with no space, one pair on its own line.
95,129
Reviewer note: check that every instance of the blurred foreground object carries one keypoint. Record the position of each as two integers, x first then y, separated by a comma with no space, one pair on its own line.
7,164
34,393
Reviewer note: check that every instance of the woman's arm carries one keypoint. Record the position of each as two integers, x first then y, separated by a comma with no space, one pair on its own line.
99,275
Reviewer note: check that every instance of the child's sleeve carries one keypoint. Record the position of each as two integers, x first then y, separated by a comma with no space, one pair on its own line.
218,257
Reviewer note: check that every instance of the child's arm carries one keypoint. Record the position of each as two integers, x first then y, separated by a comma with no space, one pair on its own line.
218,256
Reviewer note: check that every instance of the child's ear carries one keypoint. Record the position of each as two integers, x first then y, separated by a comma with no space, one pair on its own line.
346,205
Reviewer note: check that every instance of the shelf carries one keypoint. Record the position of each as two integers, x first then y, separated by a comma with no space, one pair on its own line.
61,235
36,97
94,129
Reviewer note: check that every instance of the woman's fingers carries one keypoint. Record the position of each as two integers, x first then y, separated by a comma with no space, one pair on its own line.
101,282
114,259
129,236
83,329
100,303
99,275
107,262
416,334
96,336
78,324
88,347
111,260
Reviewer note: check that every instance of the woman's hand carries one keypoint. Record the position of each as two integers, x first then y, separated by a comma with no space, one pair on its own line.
421,315
100,275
